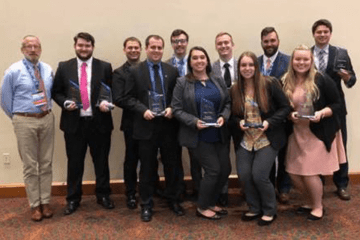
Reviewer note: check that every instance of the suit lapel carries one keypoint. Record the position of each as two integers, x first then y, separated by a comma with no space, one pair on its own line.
95,79
165,77
145,75
74,71
235,69
217,70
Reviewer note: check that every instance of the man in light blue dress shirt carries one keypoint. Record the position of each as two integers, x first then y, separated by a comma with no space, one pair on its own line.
26,100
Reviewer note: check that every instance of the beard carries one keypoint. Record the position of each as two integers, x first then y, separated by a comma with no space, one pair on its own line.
271,51
84,58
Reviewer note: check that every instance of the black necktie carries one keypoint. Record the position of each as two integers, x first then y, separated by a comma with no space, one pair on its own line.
227,76
158,87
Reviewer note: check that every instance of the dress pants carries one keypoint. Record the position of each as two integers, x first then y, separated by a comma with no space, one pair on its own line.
214,160
131,162
282,181
341,177
164,137
253,169
76,146
35,138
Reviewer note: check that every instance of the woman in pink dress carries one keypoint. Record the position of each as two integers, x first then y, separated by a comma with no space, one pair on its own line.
315,146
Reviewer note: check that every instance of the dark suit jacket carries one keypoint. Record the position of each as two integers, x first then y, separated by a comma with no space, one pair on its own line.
136,97
280,65
101,71
185,110
120,76
333,74
279,109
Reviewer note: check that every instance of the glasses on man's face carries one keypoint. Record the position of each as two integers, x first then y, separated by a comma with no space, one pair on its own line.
177,41
31,47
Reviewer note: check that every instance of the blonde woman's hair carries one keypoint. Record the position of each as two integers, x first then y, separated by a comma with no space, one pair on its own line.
290,77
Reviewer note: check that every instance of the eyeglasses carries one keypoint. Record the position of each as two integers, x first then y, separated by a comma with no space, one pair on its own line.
30,47
177,41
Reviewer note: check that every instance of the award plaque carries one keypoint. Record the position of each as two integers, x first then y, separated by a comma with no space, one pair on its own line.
341,60
156,103
208,113
74,94
306,108
105,95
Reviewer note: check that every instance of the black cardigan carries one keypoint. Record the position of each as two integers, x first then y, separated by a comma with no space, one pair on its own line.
326,129
279,109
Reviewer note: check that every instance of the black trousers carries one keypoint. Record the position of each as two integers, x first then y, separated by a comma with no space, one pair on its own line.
76,145
131,161
164,138
214,159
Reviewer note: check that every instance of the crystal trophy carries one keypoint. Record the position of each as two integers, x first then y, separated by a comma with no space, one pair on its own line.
306,108
156,103
250,123
341,60
105,95
74,94
208,113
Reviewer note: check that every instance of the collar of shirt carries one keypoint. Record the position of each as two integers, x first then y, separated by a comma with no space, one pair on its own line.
178,59
272,58
317,49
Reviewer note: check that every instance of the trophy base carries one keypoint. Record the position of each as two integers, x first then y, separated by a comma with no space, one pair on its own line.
158,114
305,116
253,125
211,124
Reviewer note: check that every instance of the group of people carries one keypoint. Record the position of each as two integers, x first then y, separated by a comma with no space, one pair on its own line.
289,108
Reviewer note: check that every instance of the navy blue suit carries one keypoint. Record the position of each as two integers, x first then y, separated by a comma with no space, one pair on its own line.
341,177
280,64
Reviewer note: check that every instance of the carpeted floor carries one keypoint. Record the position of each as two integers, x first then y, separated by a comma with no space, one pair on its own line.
341,221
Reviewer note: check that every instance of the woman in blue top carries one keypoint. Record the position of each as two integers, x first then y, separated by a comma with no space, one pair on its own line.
200,98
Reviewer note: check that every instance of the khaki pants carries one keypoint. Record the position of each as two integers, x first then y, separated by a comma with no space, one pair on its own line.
35,138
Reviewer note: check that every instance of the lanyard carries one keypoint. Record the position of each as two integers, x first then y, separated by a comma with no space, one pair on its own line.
32,73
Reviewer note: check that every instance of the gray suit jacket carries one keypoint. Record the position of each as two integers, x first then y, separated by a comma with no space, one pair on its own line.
185,110
217,70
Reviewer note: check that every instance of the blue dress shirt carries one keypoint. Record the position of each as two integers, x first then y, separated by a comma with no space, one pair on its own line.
19,85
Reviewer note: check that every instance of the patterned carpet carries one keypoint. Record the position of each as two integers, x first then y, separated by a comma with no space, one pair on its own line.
341,221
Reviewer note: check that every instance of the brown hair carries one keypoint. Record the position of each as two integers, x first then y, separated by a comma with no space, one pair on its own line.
238,90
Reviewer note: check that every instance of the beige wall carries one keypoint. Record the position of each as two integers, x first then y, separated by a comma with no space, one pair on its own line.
110,21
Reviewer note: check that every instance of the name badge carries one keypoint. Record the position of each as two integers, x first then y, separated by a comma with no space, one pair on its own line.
39,98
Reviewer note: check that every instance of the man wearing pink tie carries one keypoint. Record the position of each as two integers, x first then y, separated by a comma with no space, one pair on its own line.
80,88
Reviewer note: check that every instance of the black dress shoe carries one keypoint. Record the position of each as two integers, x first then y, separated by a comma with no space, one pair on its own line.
71,207
131,202
177,209
146,214
343,194
223,200
106,202
215,217
221,212
303,210
312,217
262,222
247,218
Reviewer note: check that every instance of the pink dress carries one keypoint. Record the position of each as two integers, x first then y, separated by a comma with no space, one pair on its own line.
306,154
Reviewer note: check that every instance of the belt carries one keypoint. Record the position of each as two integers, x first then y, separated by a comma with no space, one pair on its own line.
36,115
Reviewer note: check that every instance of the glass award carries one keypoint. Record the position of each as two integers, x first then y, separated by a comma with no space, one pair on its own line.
156,103
74,94
306,108
208,113
341,60
105,95
250,120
